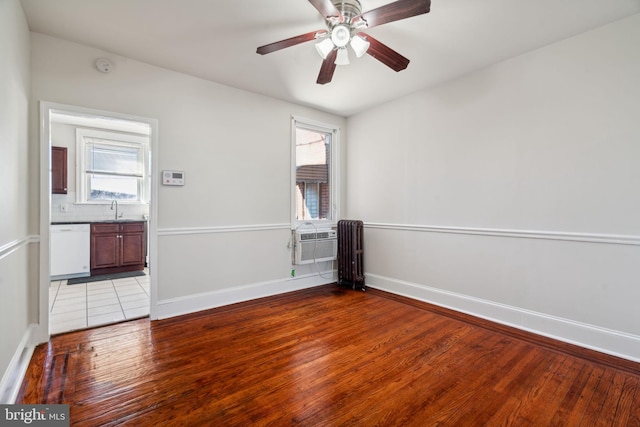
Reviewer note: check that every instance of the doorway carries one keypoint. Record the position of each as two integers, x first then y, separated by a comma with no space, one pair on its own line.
86,200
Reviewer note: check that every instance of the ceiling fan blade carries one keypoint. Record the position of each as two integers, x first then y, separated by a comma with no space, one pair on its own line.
326,8
272,47
327,68
385,54
395,11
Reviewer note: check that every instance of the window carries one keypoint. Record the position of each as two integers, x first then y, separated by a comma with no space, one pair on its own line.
314,176
112,166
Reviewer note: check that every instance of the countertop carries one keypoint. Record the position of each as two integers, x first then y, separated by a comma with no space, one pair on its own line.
106,221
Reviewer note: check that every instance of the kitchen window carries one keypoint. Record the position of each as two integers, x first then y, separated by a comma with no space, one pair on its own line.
314,176
112,166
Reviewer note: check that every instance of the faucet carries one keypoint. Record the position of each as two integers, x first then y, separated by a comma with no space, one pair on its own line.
116,202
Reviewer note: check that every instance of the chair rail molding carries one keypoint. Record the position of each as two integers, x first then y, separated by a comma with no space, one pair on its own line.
615,239
221,229
9,248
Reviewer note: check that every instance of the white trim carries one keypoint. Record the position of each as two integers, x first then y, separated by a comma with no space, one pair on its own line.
41,334
604,340
139,142
220,229
12,379
11,247
152,224
334,167
617,239
207,300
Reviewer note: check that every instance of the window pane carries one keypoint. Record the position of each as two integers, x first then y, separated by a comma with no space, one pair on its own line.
313,154
105,187
114,159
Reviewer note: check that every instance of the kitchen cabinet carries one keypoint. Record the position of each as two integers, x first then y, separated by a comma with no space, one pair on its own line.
117,247
59,170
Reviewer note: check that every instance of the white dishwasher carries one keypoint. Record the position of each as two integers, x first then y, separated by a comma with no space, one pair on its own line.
70,251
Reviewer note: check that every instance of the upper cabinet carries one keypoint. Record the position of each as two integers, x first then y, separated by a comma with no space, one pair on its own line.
59,170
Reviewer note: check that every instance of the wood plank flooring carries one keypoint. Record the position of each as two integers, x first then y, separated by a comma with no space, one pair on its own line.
329,357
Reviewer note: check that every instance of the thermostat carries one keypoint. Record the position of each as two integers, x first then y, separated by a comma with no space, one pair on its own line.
173,177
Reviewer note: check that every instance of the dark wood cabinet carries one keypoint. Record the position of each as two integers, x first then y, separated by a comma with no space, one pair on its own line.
117,247
59,170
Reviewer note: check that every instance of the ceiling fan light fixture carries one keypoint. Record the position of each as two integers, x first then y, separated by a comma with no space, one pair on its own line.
343,56
324,47
340,35
345,24
359,45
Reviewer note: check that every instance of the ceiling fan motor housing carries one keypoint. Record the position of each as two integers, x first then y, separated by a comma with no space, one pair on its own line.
341,32
348,8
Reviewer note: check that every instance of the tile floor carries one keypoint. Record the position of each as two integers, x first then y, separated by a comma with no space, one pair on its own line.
86,305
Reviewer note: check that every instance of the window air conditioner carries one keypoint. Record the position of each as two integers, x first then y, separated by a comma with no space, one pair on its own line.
315,246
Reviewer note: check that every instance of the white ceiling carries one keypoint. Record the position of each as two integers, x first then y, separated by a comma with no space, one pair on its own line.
217,40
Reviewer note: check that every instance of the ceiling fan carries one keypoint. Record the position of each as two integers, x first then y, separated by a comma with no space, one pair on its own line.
346,22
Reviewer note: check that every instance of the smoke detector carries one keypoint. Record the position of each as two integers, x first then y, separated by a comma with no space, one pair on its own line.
104,65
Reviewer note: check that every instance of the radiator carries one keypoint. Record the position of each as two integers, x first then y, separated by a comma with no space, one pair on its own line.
350,254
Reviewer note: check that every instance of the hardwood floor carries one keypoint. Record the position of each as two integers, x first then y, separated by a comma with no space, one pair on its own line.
327,357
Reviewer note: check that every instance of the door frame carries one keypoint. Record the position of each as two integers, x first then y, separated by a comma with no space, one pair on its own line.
44,126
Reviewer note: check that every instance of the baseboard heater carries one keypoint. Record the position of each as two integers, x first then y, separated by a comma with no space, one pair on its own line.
350,254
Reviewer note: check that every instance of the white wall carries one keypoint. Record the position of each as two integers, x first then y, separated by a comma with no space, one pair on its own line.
223,236
512,193
17,285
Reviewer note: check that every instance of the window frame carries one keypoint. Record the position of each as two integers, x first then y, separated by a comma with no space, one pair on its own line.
87,136
334,183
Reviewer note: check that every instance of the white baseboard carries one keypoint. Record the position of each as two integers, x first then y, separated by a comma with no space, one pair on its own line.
13,376
615,343
204,301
